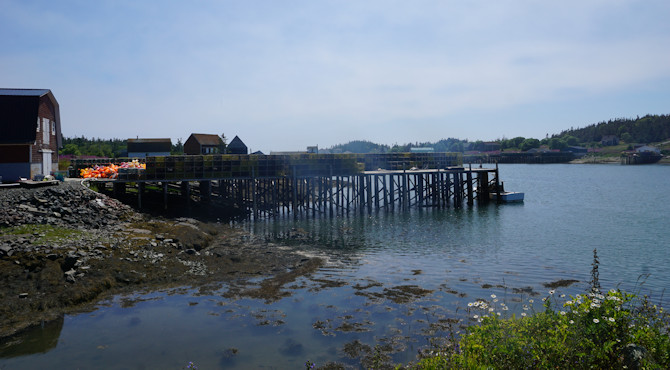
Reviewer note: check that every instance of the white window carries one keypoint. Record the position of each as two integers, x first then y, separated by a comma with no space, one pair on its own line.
53,127
45,131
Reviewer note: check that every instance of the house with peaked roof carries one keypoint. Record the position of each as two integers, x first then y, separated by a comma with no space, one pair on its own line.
198,144
609,140
236,146
142,148
30,133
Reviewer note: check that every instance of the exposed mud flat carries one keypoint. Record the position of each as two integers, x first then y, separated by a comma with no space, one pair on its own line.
55,261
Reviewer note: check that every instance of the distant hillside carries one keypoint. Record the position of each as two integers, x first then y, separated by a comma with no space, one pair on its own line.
361,146
648,129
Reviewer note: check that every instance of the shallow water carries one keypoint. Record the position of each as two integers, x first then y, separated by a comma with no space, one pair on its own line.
371,288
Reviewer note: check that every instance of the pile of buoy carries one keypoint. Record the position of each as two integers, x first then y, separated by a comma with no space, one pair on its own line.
111,171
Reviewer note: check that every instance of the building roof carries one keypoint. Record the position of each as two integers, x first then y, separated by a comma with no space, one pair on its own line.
207,139
149,145
19,109
237,143
24,92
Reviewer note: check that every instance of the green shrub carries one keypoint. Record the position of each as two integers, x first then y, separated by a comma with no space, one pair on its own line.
592,330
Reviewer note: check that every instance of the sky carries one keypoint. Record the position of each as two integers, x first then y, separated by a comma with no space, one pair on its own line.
284,75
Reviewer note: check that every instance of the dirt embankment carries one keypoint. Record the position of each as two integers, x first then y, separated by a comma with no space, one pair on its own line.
63,248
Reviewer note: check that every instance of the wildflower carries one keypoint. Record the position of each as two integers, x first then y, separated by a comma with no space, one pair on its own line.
572,321
568,303
505,308
552,292
530,301
544,299
523,314
491,309
493,295
563,313
476,316
611,319
596,321
498,313
470,304
562,295
612,291
495,300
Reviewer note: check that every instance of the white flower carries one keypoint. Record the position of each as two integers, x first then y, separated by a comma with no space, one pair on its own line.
552,292
612,291
611,319
563,313
530,301
498,313
568,303
505,308
495,300
476,316
572,322
491,309
470,304
523,314
562,295
493,295
596,321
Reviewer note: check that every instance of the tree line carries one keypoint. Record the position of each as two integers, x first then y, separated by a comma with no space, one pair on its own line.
648,129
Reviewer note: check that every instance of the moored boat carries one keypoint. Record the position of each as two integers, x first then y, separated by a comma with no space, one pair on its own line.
507,196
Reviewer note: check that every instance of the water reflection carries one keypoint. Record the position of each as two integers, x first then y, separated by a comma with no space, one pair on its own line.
35,340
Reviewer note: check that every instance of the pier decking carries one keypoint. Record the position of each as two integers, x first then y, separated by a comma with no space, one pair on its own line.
315,185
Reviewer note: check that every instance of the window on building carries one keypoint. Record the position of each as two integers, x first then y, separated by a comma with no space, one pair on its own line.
53,127
38,124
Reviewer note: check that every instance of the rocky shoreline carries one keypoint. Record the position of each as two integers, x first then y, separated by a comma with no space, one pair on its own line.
64,248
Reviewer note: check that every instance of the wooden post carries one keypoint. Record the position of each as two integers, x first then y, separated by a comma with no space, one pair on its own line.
457,189
294,204
385,190
470,192
140,190
165,195
392,191
330,189
498,199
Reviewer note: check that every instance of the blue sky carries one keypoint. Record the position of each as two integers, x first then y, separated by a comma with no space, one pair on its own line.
287,74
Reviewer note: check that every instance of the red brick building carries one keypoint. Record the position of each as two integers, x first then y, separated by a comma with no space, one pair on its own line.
30,133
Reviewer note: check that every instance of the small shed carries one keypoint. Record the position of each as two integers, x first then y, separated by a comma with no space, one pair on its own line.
197,144
609,140
236,146
30,133
142,148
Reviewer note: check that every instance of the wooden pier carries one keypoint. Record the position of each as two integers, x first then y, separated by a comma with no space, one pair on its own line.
326,186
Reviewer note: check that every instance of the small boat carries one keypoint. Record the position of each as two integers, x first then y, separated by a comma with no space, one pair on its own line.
507,196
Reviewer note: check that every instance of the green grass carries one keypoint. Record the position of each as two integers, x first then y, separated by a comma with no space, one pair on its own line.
592,330
45,233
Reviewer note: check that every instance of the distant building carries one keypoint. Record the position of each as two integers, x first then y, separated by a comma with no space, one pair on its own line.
421,150
647,148
609,140
236,146
30,133
491,146
142,148
313,149
578,151
198,144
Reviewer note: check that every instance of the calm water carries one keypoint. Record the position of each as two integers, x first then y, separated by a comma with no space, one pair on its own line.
458,254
